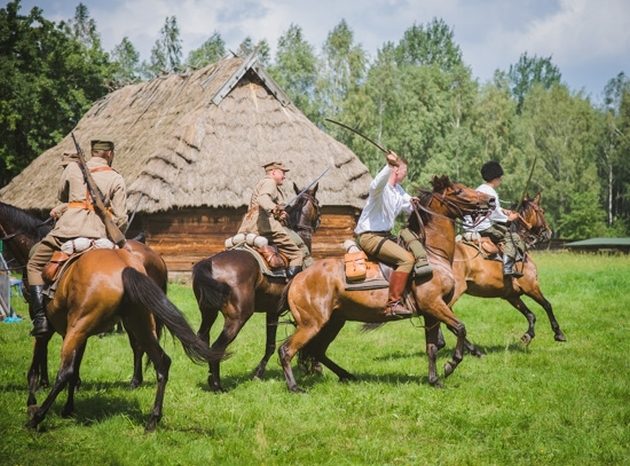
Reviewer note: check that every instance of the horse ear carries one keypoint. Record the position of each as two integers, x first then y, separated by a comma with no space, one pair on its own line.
313,190
440,183
295,188
538,197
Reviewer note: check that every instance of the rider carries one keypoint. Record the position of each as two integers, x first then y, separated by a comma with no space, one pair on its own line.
266,216
76,218
495,226
386,200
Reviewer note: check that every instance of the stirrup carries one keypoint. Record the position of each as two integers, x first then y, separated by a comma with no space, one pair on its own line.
396,309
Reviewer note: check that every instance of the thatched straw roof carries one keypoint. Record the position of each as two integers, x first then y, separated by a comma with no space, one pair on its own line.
199,140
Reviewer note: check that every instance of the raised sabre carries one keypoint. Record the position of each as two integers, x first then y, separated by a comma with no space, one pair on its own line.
358,133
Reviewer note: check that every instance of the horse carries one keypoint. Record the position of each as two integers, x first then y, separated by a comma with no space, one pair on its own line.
233,283
94,292
21,231
484,278
320,304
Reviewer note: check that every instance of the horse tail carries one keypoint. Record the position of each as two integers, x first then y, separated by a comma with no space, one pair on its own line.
141,290
371,326
210,293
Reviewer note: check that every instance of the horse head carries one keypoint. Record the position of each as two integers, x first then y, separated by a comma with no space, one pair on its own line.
533,219
305,213
20,231
451,200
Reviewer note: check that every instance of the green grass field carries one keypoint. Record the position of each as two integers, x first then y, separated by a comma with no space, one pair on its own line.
561,403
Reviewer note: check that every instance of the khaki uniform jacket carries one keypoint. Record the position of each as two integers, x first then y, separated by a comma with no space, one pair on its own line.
259,217
80,220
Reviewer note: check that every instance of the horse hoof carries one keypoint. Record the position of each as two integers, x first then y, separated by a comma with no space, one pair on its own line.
135,384
347,378
296,389
526,339
449,368
217,388
258,374
67,412
437,383
151,425
560,337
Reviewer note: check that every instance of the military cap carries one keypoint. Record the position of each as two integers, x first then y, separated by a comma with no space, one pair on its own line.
275,165
99,144
491,170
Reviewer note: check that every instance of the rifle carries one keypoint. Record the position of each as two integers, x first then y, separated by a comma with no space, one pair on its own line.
113,232
310,185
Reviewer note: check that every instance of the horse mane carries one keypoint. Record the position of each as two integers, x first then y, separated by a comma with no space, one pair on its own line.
23,222
439,184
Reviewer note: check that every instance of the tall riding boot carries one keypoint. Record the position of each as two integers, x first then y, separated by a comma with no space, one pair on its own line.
397,285
293,270
509,267
37,311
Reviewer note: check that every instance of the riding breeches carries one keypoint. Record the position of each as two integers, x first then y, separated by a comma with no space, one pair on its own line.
384,249
511,241
287,246
39,256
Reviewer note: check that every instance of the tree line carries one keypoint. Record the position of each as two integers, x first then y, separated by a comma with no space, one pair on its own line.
416,96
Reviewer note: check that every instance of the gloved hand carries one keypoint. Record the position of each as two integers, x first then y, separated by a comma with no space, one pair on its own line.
280,214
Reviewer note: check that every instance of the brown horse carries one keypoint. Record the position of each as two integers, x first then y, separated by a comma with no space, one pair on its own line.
321,305
20,231
484,278
232,282
101,287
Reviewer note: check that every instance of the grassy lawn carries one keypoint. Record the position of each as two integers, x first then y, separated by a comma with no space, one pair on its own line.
561,403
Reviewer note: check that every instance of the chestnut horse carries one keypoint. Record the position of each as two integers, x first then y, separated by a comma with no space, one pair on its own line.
94,292
484,278
232,282
321,305
20,231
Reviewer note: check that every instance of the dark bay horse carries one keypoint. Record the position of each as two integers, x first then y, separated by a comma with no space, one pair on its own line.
20,231
484,278
321,305
232,282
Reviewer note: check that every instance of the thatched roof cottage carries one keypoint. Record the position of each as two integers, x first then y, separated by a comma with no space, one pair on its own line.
191,148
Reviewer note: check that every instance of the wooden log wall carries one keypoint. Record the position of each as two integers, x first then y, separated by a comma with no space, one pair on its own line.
186,236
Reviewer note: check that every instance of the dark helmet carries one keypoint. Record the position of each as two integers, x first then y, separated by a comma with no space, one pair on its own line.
491,170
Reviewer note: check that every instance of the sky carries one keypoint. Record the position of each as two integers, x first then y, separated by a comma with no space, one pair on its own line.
588,40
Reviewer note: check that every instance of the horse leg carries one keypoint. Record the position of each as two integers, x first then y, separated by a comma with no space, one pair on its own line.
518,303
44,382
69,352
443,313
68,409
137,376
231,327
537,296
432,334
272,318
34,377
138,323
289,348
320,343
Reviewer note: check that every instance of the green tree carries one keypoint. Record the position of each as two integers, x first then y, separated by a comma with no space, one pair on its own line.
126,64
211,51
432,44
615,147
262,49
47,82
558,131
166,54
529,71
295,69
343,69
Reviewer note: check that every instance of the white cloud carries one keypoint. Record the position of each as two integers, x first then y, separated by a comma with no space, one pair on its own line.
587,39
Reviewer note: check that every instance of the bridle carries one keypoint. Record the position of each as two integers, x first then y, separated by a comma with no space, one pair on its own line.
532,234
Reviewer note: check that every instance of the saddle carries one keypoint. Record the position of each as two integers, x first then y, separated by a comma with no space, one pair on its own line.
70,251
487,249
363,273
272,262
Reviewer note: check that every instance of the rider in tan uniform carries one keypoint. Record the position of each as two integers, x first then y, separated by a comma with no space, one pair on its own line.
266,215
76,218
